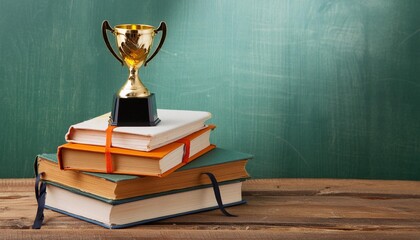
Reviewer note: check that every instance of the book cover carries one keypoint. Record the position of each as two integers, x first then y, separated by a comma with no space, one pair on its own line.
174,125
158,162
225,164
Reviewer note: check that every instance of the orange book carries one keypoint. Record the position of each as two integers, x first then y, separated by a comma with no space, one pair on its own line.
158,162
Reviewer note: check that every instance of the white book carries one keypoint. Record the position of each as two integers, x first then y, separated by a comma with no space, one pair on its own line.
174,125
142,210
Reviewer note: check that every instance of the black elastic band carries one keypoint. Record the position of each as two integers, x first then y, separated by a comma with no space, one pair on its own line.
40,193
217,194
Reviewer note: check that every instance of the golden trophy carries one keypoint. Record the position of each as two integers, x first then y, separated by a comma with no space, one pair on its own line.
133,104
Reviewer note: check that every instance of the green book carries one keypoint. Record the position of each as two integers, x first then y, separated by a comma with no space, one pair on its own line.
226,165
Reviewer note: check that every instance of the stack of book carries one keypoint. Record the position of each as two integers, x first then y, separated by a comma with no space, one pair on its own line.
124,176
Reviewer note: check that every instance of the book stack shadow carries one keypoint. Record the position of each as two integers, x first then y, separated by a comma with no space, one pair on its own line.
119,177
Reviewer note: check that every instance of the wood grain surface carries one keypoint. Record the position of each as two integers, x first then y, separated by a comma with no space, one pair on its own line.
276,209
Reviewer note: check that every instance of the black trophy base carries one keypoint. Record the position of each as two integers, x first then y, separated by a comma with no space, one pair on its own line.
134,112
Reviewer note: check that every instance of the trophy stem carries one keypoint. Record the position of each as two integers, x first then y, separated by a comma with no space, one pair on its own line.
133,87
134,76
134,105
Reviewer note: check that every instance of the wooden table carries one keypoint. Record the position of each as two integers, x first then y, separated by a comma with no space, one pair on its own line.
276,209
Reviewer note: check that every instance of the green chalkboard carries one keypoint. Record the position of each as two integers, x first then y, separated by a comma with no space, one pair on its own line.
325,88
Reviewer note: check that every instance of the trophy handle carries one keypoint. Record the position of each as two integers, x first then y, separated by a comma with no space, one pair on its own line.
105,26
162,27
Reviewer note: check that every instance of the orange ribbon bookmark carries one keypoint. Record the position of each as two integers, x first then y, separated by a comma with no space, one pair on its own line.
187,144
108,144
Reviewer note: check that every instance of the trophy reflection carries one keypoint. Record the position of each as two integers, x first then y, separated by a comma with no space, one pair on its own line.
133,104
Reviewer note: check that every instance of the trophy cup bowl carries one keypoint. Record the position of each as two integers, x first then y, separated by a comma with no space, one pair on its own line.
133,104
